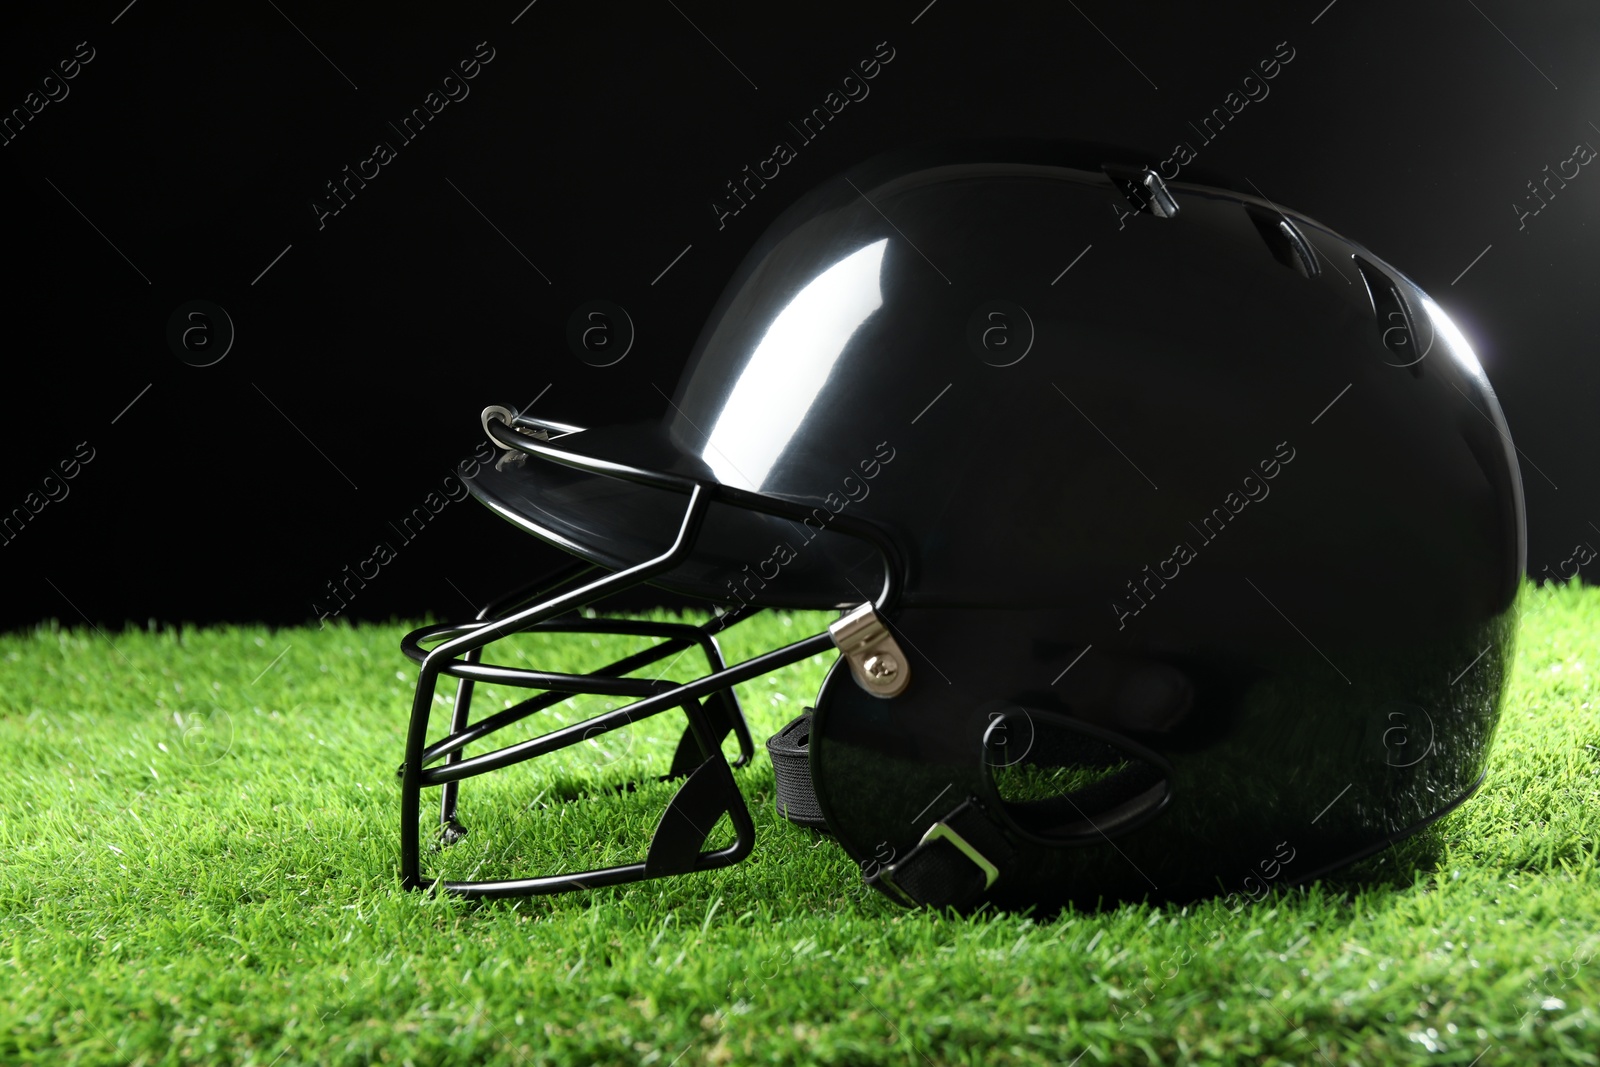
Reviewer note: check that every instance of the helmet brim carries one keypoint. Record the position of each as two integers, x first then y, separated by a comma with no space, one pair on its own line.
629,511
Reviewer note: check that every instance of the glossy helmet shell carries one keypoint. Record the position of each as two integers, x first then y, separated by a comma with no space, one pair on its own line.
1176,475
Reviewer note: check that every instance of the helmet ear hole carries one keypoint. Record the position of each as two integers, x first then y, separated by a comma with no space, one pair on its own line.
1032,781
1060,781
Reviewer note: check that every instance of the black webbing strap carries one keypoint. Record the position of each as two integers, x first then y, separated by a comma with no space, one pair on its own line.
956,862
791,768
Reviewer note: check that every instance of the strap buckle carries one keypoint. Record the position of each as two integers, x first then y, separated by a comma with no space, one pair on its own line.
941,831
936,883
885,877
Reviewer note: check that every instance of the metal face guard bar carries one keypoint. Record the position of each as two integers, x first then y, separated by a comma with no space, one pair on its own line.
709,790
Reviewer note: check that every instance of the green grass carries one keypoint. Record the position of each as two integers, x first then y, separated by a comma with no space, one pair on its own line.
199,867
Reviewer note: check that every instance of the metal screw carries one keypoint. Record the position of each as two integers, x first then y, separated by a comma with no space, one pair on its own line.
881,667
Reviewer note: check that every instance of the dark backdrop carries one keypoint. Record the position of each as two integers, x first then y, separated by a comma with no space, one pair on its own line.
183,159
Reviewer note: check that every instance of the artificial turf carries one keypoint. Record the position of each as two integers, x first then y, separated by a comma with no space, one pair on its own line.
199,852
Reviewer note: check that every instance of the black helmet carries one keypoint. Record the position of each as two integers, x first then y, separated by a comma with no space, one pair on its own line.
1175,539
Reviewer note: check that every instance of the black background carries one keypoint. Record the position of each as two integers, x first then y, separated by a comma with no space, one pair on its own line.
187,155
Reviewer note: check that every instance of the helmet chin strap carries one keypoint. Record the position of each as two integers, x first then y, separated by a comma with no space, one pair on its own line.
955,863
789,750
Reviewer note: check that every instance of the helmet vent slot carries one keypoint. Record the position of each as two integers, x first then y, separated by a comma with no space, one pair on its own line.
1394,319
1143,188
1285,241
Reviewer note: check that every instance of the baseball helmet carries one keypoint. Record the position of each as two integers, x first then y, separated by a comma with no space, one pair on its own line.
1175,541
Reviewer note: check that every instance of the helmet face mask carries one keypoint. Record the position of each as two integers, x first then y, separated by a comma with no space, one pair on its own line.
709,705
1201,578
